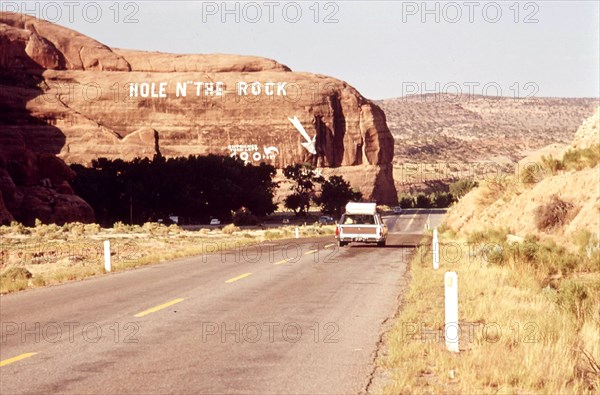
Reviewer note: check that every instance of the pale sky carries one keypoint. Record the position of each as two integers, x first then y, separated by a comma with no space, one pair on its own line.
383,48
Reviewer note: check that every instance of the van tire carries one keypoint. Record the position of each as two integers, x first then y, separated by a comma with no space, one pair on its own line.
342,243
381,243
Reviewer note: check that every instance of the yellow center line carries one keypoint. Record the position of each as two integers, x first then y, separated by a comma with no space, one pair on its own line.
329,245
282,261
310,252
17,358
238,277
159,307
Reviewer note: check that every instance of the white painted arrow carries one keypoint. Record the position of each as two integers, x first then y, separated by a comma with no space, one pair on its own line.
309,144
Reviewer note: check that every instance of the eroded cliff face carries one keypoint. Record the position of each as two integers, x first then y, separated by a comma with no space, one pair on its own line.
36,186
82,106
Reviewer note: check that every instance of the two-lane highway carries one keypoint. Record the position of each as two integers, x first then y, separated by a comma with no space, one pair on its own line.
292,316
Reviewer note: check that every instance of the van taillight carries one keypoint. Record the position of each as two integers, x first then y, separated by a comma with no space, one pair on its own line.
337,230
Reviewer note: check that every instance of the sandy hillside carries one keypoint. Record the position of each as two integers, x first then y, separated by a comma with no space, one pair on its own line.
513,204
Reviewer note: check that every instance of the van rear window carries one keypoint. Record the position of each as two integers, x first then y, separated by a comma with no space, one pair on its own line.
351,219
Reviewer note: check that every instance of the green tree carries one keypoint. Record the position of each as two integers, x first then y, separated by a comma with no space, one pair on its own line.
297,202
422,201
441,199
196,187
406,201
335,194
304,180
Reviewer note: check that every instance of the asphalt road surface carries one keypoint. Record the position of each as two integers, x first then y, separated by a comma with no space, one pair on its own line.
288,317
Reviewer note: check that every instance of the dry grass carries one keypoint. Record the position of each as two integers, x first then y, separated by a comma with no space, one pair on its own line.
54,254
516,337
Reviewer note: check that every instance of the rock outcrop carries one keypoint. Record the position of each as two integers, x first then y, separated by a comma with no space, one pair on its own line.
80,107
36,186
588,133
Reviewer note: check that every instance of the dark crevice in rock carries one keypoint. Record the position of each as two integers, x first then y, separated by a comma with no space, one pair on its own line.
157,144
339,130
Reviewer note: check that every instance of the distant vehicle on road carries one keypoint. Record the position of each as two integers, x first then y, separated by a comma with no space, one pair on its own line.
397,210
361,223
325,219
215,221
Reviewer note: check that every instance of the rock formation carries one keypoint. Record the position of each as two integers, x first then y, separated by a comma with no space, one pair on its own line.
36,186
81,107
588,133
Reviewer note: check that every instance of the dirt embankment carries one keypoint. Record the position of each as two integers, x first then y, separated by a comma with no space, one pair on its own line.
514,204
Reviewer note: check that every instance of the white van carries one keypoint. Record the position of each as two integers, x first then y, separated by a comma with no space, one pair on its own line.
361,223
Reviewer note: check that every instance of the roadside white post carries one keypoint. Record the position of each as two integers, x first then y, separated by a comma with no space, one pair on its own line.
451,306
297,233
436,250
107,255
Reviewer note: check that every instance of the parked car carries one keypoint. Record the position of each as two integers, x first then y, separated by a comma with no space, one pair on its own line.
325,219
397,210
215,221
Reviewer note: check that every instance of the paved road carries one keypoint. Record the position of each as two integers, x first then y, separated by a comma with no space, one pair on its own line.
296,316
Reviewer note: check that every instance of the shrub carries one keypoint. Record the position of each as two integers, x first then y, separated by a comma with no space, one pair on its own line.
589,247
91,229
243,217
272,234
15,273
551,165
460,188
155,228
174,228
422,201
532,173
38,281
120,227
527,251
18,228
552,214
491,192
492,235
580,159
406,201
441,199
230,229
496,254
579,298
479,236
